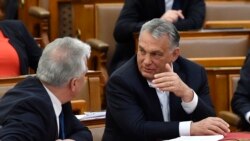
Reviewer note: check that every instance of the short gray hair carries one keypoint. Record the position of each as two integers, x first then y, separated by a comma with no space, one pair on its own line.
62,60
158,28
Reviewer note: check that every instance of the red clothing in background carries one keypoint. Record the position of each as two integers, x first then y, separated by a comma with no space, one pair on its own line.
9,61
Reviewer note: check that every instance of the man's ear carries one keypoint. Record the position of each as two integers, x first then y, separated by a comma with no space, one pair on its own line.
73,84
176,53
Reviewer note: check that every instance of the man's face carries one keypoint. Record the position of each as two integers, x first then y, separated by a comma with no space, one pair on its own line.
153,54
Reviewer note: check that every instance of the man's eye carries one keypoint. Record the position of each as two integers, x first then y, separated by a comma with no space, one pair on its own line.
156,54
142,52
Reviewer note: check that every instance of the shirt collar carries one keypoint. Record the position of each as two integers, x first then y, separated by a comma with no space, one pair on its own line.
57,105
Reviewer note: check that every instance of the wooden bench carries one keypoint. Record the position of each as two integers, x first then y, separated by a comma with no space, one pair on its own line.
227,14
222,53
91,93
216,48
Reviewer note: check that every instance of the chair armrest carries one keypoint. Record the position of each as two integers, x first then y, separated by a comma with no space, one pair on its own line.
231,118
98,45
98,58
39,12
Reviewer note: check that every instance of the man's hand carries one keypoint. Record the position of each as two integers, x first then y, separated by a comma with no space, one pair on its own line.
172,15
170,81
209,126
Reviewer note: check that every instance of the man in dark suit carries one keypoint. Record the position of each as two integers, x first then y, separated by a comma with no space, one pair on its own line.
184,14
158,94
38,108
241,99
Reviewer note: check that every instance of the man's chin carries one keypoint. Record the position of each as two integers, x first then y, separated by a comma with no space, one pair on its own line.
148,75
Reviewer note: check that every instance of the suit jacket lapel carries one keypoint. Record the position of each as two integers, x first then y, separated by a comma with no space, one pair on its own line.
174,101
55,130
153,100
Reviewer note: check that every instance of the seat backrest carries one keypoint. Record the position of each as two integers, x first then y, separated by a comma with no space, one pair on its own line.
9,82
106,15
91,92
216,48
227,10
222,46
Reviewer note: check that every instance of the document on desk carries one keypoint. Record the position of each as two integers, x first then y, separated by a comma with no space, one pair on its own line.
91,115
198,138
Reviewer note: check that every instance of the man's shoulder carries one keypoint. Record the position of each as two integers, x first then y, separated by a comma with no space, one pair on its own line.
128,69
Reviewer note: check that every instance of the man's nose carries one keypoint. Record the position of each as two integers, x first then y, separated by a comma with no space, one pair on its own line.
147,59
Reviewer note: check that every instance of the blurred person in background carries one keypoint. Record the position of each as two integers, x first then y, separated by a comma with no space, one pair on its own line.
18,49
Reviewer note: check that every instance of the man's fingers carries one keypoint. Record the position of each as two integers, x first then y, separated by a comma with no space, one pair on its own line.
168,68
179,12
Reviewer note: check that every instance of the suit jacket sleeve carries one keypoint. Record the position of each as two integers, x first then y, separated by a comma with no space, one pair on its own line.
241,98
128,114
27,117
204,107
74,128
194,13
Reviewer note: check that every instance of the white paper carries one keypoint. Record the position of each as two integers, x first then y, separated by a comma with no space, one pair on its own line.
91,115
198,138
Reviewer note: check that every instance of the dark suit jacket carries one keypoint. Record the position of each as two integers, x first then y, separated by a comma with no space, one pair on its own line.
24,44
136,12
11,9
27,114
241,99
133,108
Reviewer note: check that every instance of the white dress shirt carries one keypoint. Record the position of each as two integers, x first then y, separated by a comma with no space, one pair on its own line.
57,105
168,4
247,116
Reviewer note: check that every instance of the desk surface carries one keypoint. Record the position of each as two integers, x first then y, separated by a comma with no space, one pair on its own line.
94,122
237,136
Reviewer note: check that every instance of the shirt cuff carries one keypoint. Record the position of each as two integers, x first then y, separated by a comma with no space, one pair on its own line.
184,128
247,116
189,107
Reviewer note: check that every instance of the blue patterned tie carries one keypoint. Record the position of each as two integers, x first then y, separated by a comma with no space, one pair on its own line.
61,122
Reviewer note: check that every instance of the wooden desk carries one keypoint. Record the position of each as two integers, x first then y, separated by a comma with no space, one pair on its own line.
237,136
94,122
97,127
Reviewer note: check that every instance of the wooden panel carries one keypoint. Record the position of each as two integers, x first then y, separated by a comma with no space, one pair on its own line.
83,25
218,17
227,24
219,84
233,82
220,61
83,17
214,33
